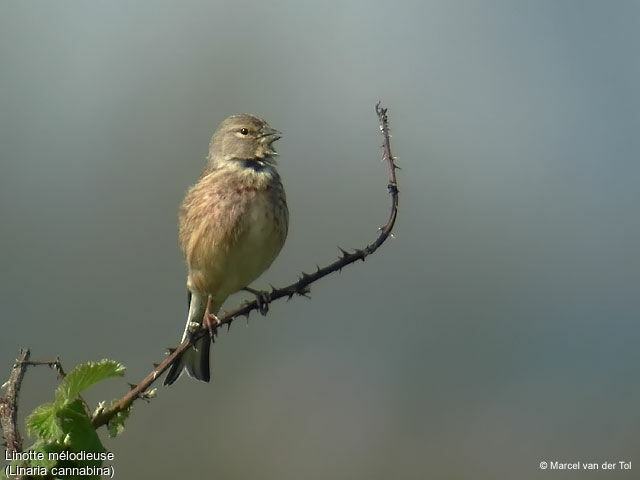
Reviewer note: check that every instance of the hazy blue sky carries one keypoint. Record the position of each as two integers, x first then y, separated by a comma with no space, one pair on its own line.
497,330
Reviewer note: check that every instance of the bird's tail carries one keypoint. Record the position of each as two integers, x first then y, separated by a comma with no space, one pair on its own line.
195,360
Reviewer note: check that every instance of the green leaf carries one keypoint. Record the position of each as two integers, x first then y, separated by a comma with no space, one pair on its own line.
42,423
45,448
116,424
85,375
78,430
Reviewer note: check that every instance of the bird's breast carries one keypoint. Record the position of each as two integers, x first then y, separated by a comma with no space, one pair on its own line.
240,235
260,235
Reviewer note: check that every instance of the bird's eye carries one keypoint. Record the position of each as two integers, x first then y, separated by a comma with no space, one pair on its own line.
244,131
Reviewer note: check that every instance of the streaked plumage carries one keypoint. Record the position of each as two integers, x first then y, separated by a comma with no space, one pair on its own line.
232,224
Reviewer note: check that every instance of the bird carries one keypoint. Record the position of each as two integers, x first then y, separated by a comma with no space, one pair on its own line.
232,225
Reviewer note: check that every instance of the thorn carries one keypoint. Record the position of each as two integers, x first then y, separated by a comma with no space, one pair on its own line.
392,236
344,252
170,350
131,385
155,365
317,267
229,325
304,291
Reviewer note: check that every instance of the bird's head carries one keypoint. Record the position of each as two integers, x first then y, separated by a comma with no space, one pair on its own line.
243,137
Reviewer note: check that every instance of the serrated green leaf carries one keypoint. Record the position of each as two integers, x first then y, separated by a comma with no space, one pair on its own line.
79,433
45,448
116,424
43,423
85,375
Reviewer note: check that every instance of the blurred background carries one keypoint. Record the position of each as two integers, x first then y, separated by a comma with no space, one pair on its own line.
497,330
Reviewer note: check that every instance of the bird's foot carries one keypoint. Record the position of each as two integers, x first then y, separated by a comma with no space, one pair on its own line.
210,320
194,327
262,299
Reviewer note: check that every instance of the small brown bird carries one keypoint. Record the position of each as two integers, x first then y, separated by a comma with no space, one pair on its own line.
232,225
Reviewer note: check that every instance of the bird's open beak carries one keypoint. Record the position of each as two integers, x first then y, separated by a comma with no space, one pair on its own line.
267,136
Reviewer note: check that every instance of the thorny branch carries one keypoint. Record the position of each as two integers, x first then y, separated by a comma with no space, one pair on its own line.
301,287
55,364
9,403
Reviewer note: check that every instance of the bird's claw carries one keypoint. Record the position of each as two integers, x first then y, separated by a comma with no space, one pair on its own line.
210,320
263,298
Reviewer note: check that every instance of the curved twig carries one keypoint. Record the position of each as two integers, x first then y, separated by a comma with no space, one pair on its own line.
300,287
